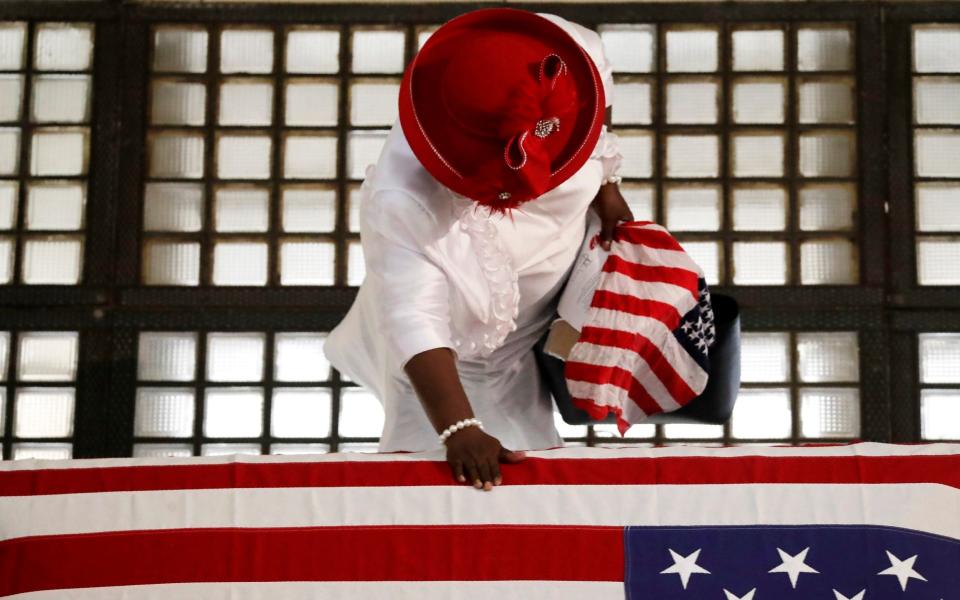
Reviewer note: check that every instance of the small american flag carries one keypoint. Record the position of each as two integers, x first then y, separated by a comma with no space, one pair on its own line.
866,521
644,348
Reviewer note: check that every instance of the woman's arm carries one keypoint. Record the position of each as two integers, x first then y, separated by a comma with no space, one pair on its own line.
609,204
471,452
415,322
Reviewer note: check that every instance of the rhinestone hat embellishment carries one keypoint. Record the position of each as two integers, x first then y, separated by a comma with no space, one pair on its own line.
545,127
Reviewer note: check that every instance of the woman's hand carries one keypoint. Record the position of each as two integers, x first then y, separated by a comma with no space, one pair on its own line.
471,452
476,456
612,208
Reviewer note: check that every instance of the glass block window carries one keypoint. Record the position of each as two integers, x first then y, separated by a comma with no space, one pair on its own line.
38,379
603,435
936,152
258,139
798,386
46,77
245,392
939,386
751,133
742,141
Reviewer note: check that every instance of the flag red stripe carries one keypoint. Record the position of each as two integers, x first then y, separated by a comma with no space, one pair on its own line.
674,275
601,374
598,412
652,238
661,311
649,351
680,470
373,553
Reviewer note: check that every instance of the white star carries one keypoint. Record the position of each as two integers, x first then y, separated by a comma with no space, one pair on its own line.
748,596
793,565
685,566
902,569
840,596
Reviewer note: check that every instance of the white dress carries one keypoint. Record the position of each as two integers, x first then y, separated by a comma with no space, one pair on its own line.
441,272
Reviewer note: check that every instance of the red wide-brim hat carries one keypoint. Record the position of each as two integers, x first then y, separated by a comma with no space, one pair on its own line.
501,105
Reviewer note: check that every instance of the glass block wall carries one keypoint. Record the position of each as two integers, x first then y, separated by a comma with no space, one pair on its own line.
940,386
742,141
257,392
242,157
38,378
258,140
245,136
45,115
246,392
936,146
797,388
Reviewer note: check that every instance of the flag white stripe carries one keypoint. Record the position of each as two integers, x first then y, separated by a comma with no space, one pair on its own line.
600,394
894,505
668,293
655,330
606,356
854,449
606,394
656,257
659,336
347,590
633,414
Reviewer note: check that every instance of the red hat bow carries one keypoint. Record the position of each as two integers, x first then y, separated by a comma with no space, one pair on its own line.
535,110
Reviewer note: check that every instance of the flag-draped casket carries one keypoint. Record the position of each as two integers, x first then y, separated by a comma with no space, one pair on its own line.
864,521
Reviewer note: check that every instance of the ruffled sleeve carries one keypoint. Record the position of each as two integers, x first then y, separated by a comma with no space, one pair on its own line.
414,309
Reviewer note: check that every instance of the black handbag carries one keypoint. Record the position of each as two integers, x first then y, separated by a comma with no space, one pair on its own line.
713,406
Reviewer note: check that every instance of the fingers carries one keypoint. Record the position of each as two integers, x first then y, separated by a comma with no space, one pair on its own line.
482,469
482,473
511,456
606,232
457,468
507,456
485,475
474,474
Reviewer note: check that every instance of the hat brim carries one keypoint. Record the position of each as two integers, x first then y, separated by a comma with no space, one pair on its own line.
448,151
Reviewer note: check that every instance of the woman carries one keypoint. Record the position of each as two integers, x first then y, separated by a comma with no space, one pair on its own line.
470,223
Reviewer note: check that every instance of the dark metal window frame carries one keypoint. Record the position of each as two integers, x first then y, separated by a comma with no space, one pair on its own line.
914,309
27,126
110,307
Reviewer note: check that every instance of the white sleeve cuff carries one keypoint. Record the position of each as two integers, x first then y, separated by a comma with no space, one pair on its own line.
411,341
608,152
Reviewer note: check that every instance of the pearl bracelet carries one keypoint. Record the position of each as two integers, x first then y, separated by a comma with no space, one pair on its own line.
612,179
457,427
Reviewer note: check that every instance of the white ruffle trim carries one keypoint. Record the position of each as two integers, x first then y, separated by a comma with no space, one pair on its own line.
497,267
607,151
